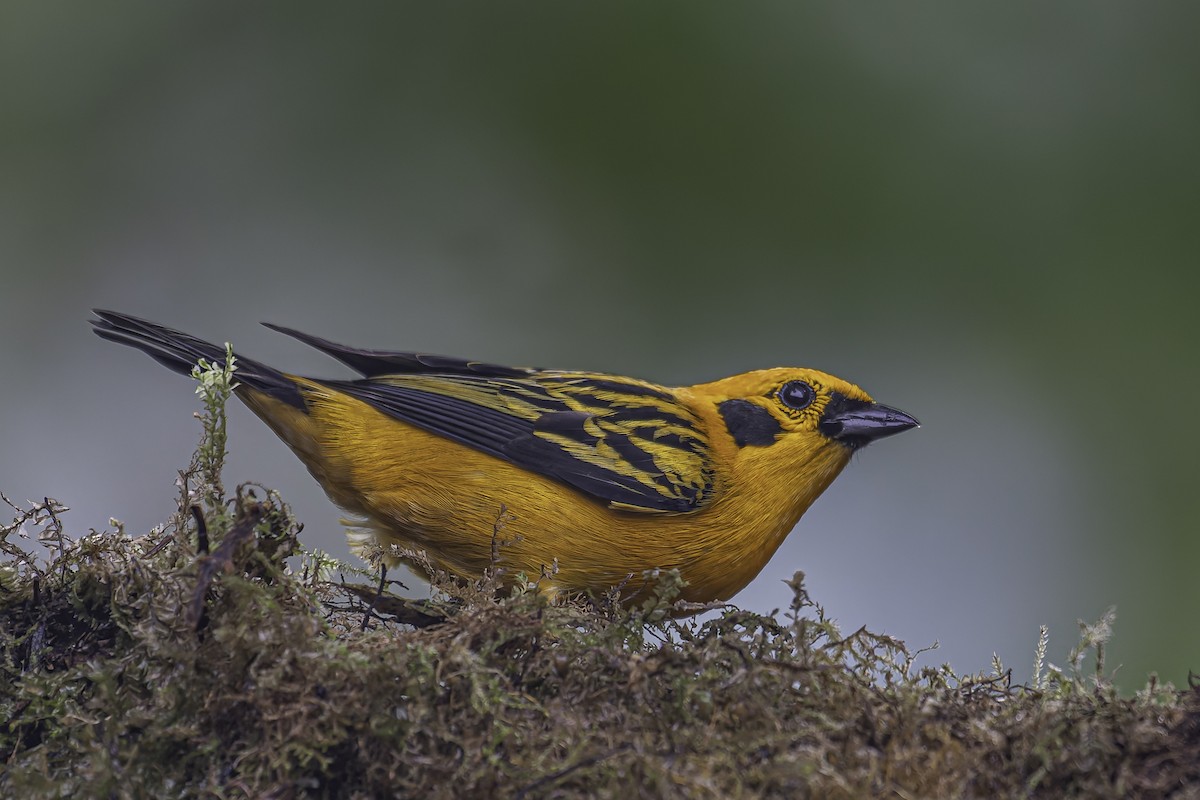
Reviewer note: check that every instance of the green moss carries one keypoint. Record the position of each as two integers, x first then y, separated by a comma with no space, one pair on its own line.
110,690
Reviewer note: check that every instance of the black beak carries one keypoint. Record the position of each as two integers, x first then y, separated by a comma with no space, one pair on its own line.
856,424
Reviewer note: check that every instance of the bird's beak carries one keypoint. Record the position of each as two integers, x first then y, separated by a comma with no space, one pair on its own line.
856,424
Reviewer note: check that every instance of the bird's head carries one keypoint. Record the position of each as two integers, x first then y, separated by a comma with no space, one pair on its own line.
799,416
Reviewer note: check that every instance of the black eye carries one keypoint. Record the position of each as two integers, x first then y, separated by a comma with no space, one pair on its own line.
797,394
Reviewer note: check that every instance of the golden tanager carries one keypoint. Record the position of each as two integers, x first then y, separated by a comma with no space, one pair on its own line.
592,480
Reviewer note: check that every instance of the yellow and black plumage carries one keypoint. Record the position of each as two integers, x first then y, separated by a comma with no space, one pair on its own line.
604,475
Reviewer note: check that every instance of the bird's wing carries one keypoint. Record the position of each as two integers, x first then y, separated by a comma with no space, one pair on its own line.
622,441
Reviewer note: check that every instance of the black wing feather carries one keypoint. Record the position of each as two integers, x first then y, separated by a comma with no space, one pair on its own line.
372,363
513,422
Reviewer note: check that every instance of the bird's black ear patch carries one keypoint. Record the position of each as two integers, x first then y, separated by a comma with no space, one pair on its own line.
749,423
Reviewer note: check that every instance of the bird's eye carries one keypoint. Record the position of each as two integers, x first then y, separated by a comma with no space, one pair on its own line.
797,394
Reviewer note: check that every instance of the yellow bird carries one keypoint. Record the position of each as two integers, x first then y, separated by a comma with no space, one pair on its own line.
604,476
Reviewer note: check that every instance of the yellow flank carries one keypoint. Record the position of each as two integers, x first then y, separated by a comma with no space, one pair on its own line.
598,476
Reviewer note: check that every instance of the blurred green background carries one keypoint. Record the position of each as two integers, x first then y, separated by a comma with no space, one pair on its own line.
986,215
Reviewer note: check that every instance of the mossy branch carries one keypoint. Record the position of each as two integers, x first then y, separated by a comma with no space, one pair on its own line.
215,385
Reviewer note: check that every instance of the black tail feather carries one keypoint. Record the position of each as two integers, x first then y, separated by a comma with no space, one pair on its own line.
179,352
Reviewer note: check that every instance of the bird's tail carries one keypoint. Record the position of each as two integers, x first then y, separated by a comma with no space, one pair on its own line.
179,352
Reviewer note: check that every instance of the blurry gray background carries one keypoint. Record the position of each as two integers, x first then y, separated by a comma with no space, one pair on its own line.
985,215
